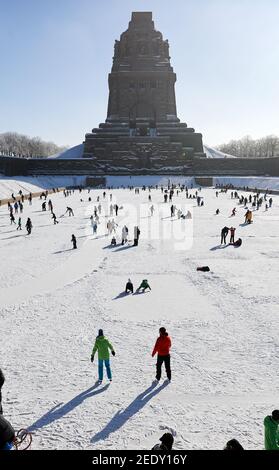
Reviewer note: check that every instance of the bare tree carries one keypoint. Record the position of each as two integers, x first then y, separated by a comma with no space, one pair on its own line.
18,145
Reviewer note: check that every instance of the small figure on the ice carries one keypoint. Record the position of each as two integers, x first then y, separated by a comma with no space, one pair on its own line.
152,210
55,221
44,206
28,226
103,346
125,232
104,195
136,235
144,285
217,211
99,208
70,211
172,210
74,242
166,443
179,213
162,347
129,287
232,233
113,241
50,206
270,202
233,212
224,233
149,197
19,224
12,218
116,208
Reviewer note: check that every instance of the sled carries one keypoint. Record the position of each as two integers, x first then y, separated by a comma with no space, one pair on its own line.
23,440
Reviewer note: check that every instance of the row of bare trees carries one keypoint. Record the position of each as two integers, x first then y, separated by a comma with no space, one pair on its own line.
17,145
249,148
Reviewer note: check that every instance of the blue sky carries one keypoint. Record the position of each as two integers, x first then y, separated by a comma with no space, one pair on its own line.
56,56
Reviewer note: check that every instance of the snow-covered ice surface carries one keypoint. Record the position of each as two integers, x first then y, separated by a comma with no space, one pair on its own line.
214,153
223,324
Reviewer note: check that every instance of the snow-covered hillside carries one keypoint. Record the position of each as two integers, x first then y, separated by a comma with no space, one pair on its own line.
213,153
223,324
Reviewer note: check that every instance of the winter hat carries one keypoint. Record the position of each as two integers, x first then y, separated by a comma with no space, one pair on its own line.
101,333
167,440
275,415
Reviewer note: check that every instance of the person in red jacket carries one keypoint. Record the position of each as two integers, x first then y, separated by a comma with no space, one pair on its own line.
162,347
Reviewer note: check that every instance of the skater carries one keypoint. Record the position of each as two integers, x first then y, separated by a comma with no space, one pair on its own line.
179,213
95,227
116,208
74,241
233,212
162,347
12,218
55,221
271,424
270,202
144,285
136,235
102,345
7,434
111,209
165,198
129,287
29,226
19,224
232,232
70,211
217,211
44,206
2,380
113,241
166,443
172,210
50,206
224,233
152,210
248,217
124,235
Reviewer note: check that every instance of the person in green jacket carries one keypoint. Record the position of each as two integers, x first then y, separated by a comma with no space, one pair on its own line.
144,285
102,345
271,431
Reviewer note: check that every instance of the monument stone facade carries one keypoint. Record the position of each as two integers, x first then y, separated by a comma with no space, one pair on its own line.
142,131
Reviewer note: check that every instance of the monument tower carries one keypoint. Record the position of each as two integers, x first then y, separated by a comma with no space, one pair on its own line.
142,132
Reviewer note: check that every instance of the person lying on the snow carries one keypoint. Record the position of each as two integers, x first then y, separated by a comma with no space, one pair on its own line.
129,287
144,285
237,242
113,241
203,268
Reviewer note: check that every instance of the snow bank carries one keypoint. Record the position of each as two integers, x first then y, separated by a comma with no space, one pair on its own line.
213,153
251,182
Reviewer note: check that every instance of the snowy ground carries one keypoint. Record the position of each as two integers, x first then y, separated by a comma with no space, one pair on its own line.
223,324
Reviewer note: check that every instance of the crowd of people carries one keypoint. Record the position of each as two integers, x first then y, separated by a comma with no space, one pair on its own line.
102,346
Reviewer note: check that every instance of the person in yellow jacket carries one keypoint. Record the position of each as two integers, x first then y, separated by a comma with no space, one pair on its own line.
102,345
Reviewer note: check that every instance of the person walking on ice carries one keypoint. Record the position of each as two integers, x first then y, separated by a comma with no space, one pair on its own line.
19,224
29,226
152,210
144,285
162,347
74,241
102,345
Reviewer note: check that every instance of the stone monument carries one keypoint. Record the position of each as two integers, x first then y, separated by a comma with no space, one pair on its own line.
142,132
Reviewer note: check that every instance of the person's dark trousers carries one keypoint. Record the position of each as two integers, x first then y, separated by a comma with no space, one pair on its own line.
1,409
160,361
135,242
223,238
232,239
